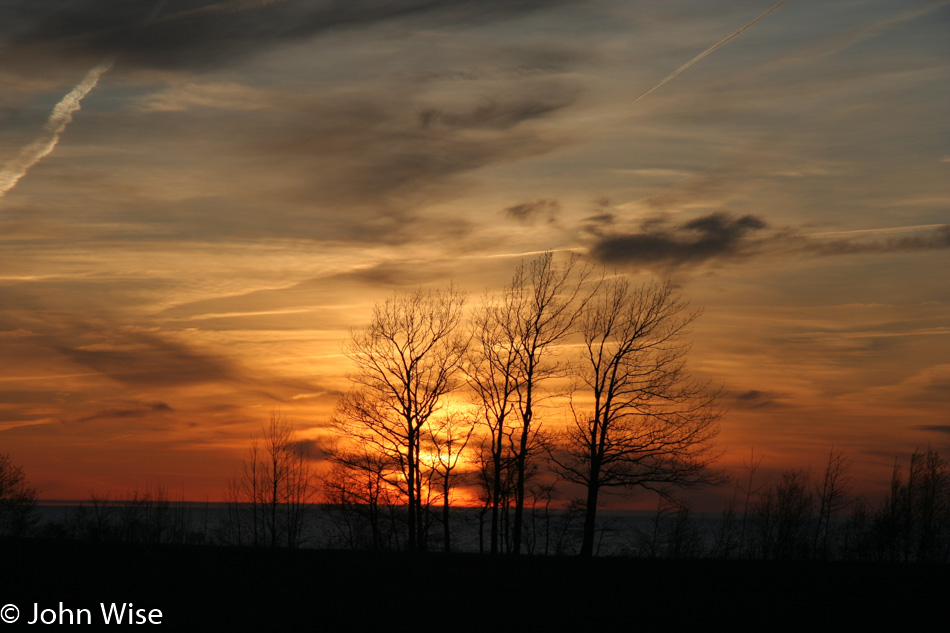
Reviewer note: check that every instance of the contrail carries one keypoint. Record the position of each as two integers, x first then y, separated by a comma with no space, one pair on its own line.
709,50
61,116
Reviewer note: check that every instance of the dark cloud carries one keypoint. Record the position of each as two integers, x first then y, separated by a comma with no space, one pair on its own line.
499,115
754,399
599,223
187,34
937,428
722,236
530,212
715,236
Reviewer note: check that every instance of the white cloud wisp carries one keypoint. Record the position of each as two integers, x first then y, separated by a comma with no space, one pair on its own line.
45,143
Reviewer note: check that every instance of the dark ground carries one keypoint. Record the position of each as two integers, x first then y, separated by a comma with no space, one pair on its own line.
220,588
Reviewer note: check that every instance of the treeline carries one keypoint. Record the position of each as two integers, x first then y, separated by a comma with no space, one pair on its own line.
797,517
801,517
144,517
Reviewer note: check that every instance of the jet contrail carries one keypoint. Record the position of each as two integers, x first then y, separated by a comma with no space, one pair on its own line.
709,50
61,116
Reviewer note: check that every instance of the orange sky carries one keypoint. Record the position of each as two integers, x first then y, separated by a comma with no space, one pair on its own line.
196,206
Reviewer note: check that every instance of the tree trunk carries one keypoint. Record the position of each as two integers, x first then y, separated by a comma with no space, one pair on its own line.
496,492
520,463
445,515
590,516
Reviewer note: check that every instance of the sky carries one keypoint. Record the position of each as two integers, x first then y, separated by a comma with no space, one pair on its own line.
199,199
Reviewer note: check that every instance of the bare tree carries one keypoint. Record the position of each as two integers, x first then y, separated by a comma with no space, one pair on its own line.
493,474
493,371
17,499
517,336
360,500
783,515
269,495
674,531
407,360
752,466
449,437
651,425
913,523
832,498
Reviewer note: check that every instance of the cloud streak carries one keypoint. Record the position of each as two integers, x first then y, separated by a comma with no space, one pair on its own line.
708,51
45,143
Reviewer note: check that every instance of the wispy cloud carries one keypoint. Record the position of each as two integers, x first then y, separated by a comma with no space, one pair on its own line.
45,143
218,95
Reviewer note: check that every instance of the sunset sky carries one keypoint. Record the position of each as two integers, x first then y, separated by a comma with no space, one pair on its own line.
198,199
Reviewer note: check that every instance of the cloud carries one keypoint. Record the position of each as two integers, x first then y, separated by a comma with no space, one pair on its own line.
370,165
350,166
213,33
532,211
755,399
720,237
357,156
45,143
332,295
716,236
935,239
148,358
137,410
310,449
499,115
225,95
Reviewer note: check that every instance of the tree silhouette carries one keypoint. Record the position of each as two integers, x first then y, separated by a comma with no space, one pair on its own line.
269,495
913,522
360,501
407,360
516,337
449,436
650,424
832,498
783,517
493,370
17,499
